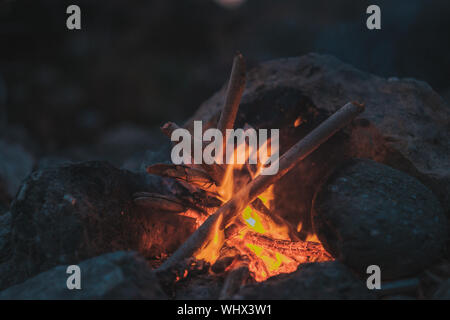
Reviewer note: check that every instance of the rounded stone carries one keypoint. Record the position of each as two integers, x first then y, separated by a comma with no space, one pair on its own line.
72,212
367,213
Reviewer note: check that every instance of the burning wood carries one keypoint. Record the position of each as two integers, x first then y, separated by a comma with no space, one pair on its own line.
233,96
259,206
268,243
213,173
235,89
227,213
300,251
228,256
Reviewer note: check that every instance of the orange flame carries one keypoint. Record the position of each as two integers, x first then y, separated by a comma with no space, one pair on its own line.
264,263
298,122
210,252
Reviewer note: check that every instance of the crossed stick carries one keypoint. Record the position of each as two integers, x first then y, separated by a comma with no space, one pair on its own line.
228,212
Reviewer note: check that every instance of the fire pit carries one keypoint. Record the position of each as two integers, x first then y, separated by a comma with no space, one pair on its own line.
244,237
226,230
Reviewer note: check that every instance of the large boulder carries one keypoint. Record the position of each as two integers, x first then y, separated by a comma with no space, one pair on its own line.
65,214
118,275
405,124
367,213
324,280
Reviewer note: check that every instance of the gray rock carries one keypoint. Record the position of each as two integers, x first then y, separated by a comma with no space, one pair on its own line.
443,291
49,162
368,213
399,297
63,215
123,146
3,94
118,275
15,164
3,207
5,232
201,287
405,124
325,280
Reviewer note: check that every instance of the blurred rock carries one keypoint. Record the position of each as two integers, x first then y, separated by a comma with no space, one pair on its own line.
49,162
15,164
4,206
3,95
121,143
405,124
124,146
178,51
324,280
118,275
399,297
367,213
200,287
5,233
66,214
443,291
17,134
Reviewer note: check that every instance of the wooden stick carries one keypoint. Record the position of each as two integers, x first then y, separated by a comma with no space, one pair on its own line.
234,229
228,255
235,89
158,202
186,173
233,96
259,206
303,251
291,158
214,172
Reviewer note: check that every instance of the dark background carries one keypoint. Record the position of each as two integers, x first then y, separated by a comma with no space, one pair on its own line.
137,64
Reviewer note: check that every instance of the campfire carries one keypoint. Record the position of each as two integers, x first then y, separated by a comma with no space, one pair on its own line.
321,212
240,234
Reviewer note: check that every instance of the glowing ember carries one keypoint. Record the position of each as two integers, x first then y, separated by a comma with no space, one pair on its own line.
298,122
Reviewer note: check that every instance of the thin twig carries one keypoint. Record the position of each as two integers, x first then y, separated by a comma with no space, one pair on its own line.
233,96
159,202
